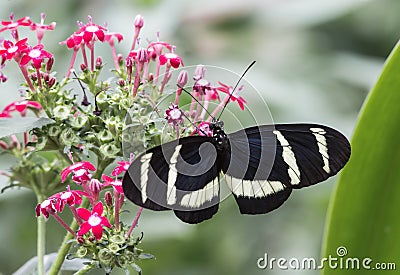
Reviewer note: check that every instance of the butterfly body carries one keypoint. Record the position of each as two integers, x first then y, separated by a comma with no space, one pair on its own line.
261,166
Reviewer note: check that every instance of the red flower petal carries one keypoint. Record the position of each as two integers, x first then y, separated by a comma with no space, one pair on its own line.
97,231
87,36
100,35
98,208
85,227
83,213
105,222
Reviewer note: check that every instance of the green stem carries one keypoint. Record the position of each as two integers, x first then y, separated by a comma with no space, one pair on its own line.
63,251
41,237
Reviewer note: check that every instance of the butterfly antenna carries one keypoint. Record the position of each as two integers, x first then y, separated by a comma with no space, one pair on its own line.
183,89
234,89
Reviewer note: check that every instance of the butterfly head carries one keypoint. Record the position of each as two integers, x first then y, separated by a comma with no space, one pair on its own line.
216,124
219,137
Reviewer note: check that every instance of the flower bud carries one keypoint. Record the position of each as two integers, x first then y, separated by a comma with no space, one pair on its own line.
142,56
49,64
108,198
99,63
46,77
83,67
81,240
120,59
34,76
199,73
51,82
121,82
138,22
151,77
3,145
95,186
182,78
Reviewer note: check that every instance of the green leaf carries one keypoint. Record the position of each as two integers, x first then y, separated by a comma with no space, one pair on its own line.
364,212
9,126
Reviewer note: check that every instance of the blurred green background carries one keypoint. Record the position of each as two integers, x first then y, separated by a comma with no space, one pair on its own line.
316,61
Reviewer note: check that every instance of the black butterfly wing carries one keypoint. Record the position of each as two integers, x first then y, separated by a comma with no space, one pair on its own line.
266,162
181,175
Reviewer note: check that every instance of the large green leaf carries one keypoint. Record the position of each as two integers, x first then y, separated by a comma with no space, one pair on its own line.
364,215
9,126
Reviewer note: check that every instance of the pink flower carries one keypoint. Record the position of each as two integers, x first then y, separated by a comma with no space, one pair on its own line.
80,170
94,221
40,28
174,115
10,49
92,31
122,167
235,97
203,129
70,197
201,86
12,26
213,94
109,37
74,40
172,59
116,184
87,34
46,208
154,49
21,107
36,55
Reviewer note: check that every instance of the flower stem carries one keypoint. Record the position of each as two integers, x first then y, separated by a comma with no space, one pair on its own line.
135,221
63,251
84,269
41,236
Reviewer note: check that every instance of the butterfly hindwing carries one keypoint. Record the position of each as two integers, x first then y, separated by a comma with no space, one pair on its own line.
248,169
181,175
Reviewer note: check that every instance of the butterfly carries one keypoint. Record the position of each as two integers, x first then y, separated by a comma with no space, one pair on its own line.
261,165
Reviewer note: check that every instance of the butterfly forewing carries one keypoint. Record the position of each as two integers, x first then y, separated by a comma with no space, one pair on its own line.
319,152
181,175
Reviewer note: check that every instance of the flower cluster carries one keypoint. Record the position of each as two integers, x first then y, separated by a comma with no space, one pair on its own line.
93,122
101,236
